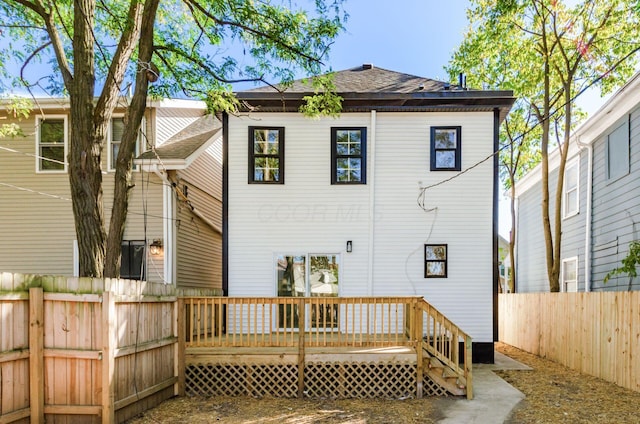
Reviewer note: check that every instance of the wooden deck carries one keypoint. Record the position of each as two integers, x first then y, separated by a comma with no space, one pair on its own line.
387,347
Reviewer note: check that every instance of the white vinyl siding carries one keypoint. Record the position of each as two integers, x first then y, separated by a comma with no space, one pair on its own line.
308,214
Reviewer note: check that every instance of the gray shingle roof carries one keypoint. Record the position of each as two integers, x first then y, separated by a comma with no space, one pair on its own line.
369,79
366,88
186,142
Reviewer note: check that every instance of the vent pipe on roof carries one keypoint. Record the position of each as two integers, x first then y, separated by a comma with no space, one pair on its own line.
367,66
462,81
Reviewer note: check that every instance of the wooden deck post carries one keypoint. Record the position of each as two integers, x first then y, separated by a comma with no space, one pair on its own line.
108,358
417,337
180,388
468,366
36,354
301,343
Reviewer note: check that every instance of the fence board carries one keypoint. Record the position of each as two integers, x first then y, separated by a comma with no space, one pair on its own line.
595,333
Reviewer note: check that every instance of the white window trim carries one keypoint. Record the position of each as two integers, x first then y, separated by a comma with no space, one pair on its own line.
563,285
110,159
568,214
39,119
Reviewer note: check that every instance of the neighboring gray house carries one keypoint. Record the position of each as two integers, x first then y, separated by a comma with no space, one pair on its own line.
601,202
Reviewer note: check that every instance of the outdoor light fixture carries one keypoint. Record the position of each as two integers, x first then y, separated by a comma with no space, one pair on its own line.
155,248
349,246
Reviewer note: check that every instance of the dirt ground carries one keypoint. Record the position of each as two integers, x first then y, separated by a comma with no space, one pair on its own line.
554,394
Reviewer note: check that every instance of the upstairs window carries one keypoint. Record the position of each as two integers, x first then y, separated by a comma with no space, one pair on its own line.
445,149
348,155
617,152
570,188
266,155
116,130
51,140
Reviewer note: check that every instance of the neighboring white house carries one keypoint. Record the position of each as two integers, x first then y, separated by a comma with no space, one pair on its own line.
175,208
373,203
601,202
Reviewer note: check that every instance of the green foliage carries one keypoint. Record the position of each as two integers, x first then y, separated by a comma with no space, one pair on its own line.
200,46
325,101
16,108
629,264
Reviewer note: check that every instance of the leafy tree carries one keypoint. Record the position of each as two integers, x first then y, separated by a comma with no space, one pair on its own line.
630,264
550,53
159,48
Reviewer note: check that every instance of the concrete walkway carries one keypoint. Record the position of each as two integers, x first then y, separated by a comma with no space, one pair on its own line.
494,398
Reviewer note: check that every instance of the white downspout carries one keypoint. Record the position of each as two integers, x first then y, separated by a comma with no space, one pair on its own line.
168,226
587,224
372,197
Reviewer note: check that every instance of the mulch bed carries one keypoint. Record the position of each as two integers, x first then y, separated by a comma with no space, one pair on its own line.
557,394
554,394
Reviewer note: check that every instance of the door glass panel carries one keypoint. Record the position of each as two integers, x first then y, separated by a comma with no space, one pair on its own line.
291,283
323,282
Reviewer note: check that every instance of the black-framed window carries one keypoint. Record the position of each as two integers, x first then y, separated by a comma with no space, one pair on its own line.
446,148
348,155
435,260
132,262
617,152
266,155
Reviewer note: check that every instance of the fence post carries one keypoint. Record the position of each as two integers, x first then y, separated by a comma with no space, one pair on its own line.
301,343
180,347
36,354
108,359
468,366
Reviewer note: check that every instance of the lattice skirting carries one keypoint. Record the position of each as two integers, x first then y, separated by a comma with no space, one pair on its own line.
364,380
360,380
242,380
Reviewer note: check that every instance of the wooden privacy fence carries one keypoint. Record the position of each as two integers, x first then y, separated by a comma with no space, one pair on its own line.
237,332
596,333
84,350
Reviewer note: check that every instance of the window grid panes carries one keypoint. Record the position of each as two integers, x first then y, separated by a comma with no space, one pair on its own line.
266,160
435,261
348,155
445,148
51,147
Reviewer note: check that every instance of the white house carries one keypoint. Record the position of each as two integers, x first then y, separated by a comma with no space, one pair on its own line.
397,196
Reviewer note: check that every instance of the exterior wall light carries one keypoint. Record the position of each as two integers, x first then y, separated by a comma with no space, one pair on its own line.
155,248
349,246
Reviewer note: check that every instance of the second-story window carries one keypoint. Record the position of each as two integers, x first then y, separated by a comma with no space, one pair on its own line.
52,144
116,130
348,155
445,149
570,197
266,155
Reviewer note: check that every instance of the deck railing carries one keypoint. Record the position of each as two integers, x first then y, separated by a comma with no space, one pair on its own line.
314,322
445,341
286,321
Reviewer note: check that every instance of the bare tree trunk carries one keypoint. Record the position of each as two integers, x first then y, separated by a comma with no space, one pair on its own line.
85,174
135,113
